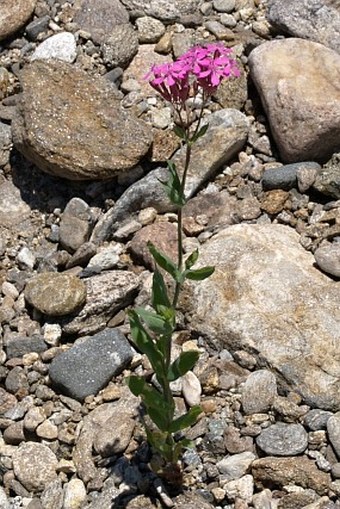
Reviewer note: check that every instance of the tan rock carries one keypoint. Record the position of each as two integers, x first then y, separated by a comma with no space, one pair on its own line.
34,465
13,15
298,470
298,84
66,120
266,296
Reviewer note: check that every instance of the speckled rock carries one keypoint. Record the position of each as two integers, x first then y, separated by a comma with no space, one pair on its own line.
255,290
83,124
286,74
55,294
13,15
308,19
34,465
107,293
13,209
61,46
333,429
163,9
299,470
87,367
99,17
259,391
328,179
121,46
283,439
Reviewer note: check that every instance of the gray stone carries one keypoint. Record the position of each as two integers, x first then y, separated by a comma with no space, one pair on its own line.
61,46
150,30
52,496
333,430
37,26
298,470
55,294
7,401
286,74
317,419
34,465
115,434
88,366
121,46
107,257
240,489
13,209
235,466
14,434
16,380
19,346
13,15
327,258
259,392
281,308
328,179
75,224
99,17
163,9
107,293
70,138
309,19
282,439
286,176
224,5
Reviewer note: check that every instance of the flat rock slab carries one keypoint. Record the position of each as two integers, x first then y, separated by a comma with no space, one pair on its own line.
66,120
88,366
55,294
107,293
283,439
13,15
267,297
308,19
163,9
283,471
302,103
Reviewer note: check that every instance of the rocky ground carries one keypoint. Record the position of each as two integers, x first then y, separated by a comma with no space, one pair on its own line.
83,143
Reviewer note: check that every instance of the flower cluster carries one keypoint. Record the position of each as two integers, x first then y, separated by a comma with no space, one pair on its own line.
202,67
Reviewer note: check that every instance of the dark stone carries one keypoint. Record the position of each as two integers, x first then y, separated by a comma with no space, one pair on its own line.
285,177
89,365
20,346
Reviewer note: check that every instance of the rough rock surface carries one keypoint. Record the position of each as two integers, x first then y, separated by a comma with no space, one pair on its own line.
266,302
88,366
301,102
309,19
55,294
98,17
13,15
35,465
107,293
86,120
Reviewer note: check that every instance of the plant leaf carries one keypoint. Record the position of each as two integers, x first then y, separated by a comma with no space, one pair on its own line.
186,420
180,132
145,343
192,259
200,133
173,186
155,322
184,362
180,445
199,274
164,261
159,296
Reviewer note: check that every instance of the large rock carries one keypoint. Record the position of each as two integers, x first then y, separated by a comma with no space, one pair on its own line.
267,297
99,17
302,103
308,19
13,15
66,120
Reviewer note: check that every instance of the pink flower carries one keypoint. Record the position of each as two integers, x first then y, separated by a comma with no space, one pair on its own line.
201,67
